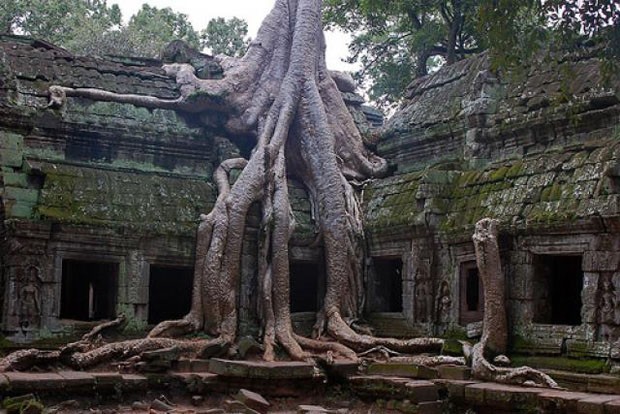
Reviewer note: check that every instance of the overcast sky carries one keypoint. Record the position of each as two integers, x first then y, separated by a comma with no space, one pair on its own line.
252,11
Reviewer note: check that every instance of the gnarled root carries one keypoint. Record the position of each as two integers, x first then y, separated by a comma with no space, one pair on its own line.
484,370
495,327
340,331
429,360
27,358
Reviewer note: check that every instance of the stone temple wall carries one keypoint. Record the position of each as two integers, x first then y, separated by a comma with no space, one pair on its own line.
540,151
102,199
120,188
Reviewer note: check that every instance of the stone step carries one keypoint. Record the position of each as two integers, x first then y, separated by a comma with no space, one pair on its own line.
401,369
70,381
375,386
191,365
263,370
604,384
513,398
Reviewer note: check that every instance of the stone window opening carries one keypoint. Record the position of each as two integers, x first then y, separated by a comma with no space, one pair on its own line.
170,292
558,282
88,290
471,294
304,287
388,285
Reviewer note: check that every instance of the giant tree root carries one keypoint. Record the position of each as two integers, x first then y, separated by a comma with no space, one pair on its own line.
484,370
90,350
494,326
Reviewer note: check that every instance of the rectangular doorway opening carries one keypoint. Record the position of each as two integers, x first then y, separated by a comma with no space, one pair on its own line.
471,294
170,292
304,279
88,290
388,285
558,282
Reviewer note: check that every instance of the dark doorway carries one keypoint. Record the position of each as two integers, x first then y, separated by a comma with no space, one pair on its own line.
558,282
388,285
471,294
304,277
170,292
88,290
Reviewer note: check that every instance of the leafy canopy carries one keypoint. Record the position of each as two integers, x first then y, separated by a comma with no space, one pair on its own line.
92,27
226,36
396,41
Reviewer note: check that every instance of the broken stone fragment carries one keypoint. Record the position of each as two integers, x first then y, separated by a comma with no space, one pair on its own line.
159,405
235,406
317,409
249,346
253,400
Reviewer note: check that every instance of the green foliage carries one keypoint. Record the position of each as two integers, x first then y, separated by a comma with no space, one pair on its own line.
91,27
69,23
584,366
149,30
226,36
398,40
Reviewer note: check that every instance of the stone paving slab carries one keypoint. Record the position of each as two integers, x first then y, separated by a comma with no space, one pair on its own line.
395,387
135,382
455,388
595,404
600,383
402,370
501,395
612,407
77,378
28,382
262,370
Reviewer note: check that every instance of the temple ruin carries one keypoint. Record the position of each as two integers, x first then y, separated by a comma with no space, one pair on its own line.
100,203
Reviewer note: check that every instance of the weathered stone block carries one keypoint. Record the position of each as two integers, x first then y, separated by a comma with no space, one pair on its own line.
402,370
11,158
600,261
253,400
612,407
15,180
554,401
454,388
422,391
261,370
579,349
26,381
23,195
19,210
77,379
604,384
11,141
454,372
474,394
594,404
430,407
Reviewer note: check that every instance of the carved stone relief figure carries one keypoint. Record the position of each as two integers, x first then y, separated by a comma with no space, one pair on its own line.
607,309
444,303
29,299
421,294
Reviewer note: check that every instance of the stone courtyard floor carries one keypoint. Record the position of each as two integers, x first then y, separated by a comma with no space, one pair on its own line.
223,386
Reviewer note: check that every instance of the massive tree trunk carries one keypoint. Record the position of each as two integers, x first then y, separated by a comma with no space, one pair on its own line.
495,327
281,93
282,90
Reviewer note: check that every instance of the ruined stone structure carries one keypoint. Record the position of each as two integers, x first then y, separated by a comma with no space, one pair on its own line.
537,150
101,202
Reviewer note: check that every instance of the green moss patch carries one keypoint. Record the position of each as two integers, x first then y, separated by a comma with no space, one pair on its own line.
583,366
